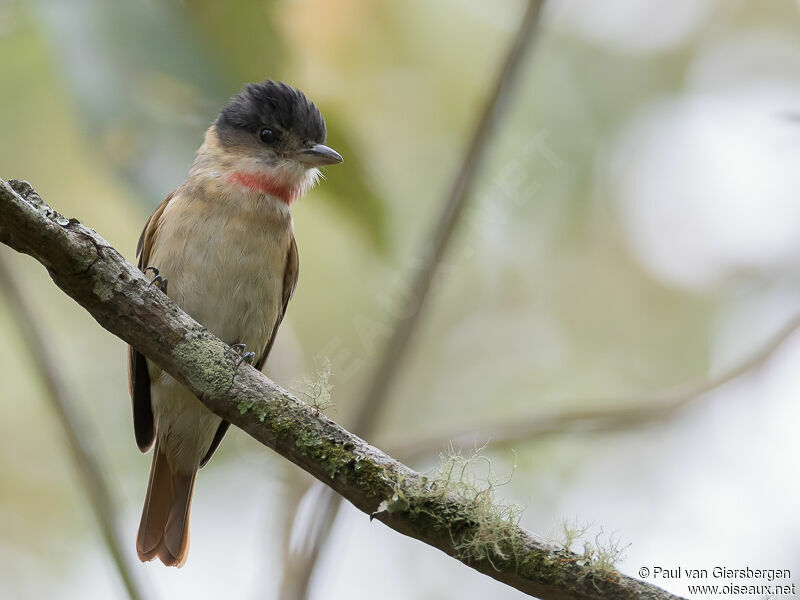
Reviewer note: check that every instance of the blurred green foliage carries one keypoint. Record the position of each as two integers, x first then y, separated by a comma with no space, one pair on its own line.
542,302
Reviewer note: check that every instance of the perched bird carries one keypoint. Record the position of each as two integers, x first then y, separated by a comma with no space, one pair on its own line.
224,242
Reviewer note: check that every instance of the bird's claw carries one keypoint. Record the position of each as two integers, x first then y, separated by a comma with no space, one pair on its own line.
248,357
158,281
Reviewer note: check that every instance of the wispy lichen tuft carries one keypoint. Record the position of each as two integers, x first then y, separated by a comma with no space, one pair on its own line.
316,389
601,554
570,532
459,497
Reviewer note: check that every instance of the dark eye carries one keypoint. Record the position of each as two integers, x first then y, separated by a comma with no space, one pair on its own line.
267,135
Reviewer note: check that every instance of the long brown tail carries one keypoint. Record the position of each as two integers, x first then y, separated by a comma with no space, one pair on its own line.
164,529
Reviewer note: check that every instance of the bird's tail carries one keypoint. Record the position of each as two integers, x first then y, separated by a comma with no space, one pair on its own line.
164,528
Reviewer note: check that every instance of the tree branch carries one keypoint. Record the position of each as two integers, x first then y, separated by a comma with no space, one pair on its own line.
121,300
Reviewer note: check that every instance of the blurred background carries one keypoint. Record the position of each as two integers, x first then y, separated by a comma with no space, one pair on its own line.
634,227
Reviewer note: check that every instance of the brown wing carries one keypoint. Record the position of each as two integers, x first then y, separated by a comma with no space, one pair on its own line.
289,283
138,375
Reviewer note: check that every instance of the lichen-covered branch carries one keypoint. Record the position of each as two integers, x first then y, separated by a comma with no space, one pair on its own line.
118,296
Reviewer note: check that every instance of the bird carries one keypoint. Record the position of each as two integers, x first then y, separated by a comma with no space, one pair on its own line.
222,247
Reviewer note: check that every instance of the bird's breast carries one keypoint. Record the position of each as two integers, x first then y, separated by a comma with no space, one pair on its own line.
225,258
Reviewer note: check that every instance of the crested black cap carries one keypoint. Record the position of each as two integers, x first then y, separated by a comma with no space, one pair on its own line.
270,104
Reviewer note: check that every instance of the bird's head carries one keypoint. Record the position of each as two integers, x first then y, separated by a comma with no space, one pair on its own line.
274,139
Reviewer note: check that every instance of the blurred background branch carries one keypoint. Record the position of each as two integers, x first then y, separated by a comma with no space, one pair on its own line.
300,564
76,433
434,249
618,414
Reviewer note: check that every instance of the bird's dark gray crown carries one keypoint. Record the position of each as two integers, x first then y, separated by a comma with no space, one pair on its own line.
271,104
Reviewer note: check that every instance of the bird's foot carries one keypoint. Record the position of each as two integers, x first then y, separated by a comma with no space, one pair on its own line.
244,356
158,281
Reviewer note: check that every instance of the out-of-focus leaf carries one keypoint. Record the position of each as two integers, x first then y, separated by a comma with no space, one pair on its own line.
351,192
141,82
240,35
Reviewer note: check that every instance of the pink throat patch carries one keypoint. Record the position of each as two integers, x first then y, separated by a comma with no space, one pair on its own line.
265,184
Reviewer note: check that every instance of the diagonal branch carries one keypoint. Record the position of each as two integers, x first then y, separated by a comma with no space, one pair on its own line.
377,392
65,407
120,299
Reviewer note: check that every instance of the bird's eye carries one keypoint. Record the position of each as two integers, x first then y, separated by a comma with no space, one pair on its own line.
267,135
